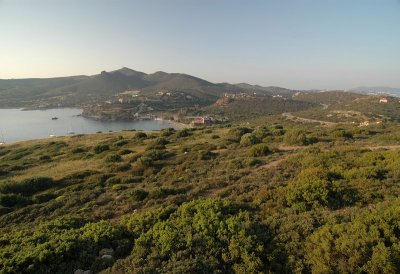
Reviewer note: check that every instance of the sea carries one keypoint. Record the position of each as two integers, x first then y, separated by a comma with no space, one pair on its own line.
19,125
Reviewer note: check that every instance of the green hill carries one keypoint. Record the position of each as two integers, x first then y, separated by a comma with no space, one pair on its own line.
243,107
79,90
338,106
97,88
266,198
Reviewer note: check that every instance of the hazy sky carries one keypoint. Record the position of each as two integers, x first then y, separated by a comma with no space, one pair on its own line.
290,43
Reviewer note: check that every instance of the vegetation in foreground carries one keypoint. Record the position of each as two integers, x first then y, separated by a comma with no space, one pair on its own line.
254,198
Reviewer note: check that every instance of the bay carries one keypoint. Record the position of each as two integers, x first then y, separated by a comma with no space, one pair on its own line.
18,125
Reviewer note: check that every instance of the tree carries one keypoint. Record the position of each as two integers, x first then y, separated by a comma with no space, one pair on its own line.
202,236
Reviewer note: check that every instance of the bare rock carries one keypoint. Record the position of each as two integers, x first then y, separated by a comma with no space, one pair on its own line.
106,251
107,257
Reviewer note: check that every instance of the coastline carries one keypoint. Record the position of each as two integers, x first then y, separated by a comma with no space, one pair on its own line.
177,125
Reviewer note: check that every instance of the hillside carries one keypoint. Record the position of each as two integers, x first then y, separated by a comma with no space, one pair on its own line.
79,90
266,90
266,198
334,97
187,90
83,89
337,106
246,106
378,90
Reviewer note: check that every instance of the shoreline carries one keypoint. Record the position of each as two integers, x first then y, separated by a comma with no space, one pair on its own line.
175,124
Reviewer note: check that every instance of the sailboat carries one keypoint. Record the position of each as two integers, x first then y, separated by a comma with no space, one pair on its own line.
52,134
2,142
70,131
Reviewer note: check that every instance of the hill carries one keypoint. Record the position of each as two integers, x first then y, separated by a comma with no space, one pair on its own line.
245,106
157,87
378,90
267,198
339,106
266,90
77,90
333,97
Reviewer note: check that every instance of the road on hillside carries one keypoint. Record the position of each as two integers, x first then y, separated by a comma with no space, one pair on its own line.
290,116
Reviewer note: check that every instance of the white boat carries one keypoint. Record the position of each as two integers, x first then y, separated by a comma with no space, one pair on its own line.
2,142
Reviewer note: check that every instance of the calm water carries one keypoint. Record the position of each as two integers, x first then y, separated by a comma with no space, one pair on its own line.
17,125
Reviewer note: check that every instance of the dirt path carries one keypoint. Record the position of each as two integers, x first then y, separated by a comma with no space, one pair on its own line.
390,147
290,116
289,148
272,164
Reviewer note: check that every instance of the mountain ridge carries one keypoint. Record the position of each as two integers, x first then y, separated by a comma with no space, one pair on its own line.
86,89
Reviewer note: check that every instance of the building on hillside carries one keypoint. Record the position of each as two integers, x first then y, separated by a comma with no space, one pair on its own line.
383,100
364,124
202,121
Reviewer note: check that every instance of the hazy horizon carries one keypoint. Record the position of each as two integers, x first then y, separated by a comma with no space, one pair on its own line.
292,44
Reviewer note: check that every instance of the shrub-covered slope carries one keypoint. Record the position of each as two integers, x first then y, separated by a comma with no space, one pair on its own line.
252,198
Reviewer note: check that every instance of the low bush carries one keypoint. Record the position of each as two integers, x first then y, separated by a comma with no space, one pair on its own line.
101,148
113,158
138,195
259,150
28,186
131,179
182,133
249,139
11,200
121,143
140,135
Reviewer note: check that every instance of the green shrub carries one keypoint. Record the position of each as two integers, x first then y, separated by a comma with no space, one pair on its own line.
342,133
80,174
28,186
11,200
206,155
113,158
139,195
140,135
259,150
61,246
120,167
234,134
100,148
155,155
167,132
296,137
113,180
118,187
315,187
261,132
43,197
203,236
78,150
244,162
159,143
249,139
131,179
125,151
366,243
182,133
45,158
162,192
121,143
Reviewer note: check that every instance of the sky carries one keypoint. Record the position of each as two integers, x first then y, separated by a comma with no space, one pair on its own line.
298,44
